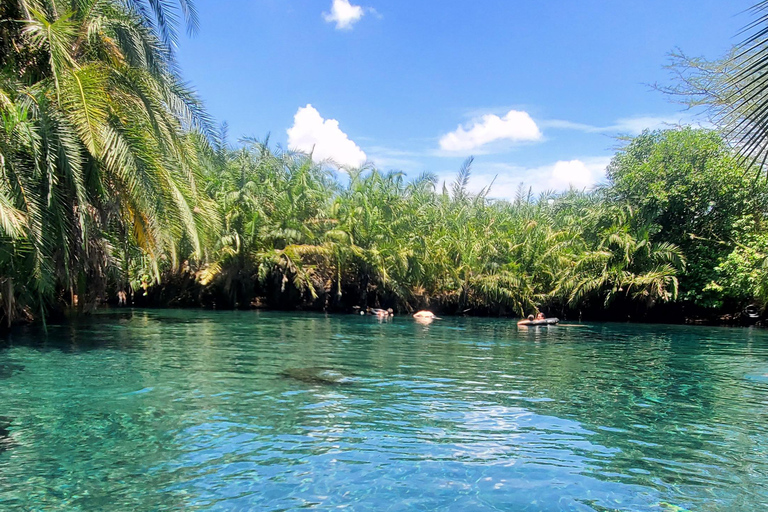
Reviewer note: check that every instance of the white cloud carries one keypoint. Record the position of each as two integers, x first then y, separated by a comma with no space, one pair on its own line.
583,173
627,125
323,138
344,14
636,125
569,125
515,126
574,173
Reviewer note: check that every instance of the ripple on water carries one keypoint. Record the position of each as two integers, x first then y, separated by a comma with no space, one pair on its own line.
182,410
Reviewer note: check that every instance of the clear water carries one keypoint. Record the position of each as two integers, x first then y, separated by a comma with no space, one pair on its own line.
190,410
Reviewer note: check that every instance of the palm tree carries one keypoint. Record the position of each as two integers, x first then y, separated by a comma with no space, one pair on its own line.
290,232
625,263
273,207
96,150
746,116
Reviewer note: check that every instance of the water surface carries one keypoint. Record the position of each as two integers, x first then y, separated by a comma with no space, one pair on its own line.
191,410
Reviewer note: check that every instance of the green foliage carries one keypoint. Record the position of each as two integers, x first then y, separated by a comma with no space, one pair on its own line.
743,274
680,220
98,166
390,242
691,190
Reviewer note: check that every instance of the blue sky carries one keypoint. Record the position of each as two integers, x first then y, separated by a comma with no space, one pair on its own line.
536,91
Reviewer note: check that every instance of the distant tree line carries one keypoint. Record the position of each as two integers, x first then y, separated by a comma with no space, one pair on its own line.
675,226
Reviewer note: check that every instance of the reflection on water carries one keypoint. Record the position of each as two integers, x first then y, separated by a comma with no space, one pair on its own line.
196,410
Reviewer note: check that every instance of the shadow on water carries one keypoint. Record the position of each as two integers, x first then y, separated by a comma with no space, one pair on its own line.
113,329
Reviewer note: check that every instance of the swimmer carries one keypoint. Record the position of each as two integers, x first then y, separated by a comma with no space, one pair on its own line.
424,314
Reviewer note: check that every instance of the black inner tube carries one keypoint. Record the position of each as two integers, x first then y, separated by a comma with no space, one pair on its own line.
546,321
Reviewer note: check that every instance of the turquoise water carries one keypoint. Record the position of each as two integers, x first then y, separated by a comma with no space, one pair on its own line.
191,410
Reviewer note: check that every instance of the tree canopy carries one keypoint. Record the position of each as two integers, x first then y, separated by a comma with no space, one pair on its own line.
99,147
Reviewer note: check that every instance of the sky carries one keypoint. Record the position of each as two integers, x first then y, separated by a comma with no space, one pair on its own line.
537,92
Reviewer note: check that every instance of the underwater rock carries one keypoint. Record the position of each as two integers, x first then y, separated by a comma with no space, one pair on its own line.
318,375
5,434
7,370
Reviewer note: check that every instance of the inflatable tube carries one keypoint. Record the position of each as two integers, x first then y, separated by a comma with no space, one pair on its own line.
534,323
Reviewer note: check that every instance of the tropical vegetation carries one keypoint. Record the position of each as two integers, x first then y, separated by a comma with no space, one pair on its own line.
112,182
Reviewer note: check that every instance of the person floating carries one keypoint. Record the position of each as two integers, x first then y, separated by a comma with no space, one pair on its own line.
539,319
425,317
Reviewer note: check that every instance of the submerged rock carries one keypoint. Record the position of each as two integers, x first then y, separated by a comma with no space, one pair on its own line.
5,433
8,369
318,375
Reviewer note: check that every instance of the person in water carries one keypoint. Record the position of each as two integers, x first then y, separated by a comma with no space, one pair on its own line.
529,319
540,316
425,317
